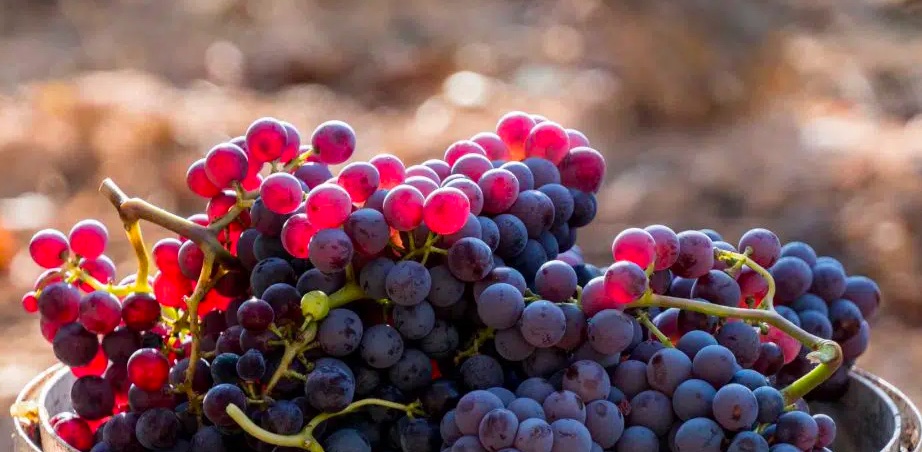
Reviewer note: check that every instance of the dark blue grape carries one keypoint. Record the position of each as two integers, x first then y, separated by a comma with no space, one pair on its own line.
562,199
216,401
512,235
742,340
630,377
368,230
346,440
330,250
526,408
798,429
340,333
637,439
667,369
845,318
810,302
408,283
771,403
699,434
74,346
555,281
714,364
500,306
717,287
829,281
521,172
157,429
793,278
696,255
530,260
799,250
92,397
251,366
765,246
268,272
283,417
471,409
412,371
748,442
497,429
604,422
441,342
865,293
749,378
535,388
652,409
693,398
469,260
693,341
315,279
481,372
373,277
329,388
735,407
445,289
208,438
610,331
585,207
542,323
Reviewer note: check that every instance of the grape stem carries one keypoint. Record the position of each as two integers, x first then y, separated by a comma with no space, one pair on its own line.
644,320
202,287
481,337
292,350
736,260
305,438
826,352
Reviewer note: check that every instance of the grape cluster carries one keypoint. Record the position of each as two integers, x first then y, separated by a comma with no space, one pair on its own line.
438,306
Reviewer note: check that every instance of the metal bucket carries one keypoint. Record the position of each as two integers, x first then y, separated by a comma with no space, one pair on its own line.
872,415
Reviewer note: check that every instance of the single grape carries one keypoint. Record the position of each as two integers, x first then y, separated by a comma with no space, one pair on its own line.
471,409
522,174
328,206
542,324
330,250
198,182
625,282
536,211
333,142
92,397
226,163
696,255
511,345
798,429
441,342
735,407
414,322
714,364
610,331
462,148
472,165
845,317
588,380
693,341
500,306
216,401
667,369
865,293
742,340
329,387
556,281
699,434
564,405
391,170
470,259
75,432
637,439
583,169
381,346
481,372
651,409
403,208
100,312
585,207
359,179
59,303
829,282
766,248
570,435
313,174
413,371
793,278
74,346
88,238
347,440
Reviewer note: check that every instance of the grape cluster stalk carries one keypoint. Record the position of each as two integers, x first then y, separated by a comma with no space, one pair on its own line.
302,310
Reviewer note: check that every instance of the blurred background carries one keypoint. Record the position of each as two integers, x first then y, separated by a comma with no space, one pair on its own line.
803,117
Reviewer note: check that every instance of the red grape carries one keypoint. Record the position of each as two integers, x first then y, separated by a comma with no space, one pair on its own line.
583,169
513,128
461,148
441,168
296,235
471,190
252,182
48,328
472,166
100,312
360,180
88,238
333,142
191,259
446,210
166,255
266,138
292,145
171,289
140,311
667,245
30,302
102,268
752,285
547,140
403,208
226,163
49,248
75,432
281,193
493,145
197,180
625,282
423,184
328,206
500,188
59,303
634,245
577,139
390,169
424,171
148,369
96,367
220,204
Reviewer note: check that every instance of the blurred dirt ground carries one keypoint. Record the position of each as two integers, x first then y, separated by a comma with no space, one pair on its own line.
803,117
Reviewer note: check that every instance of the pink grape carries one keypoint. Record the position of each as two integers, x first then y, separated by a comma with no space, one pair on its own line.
634,245
296,235
282,193
500,188
252,182
493,145
390,168
667,245
226,163
88,238
461,148
292,144
625,282
102,268
472,166
359,179
328,206
423,184
595,299
424,171
266,138
49,248
583,169
441,168
752,285
446,210
100,312
197,180
472,190
513,128
403,208
790,347
547,140
333,142
577,139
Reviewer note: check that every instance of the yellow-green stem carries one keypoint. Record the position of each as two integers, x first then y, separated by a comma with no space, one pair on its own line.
140,250
291,352
202,287
644,320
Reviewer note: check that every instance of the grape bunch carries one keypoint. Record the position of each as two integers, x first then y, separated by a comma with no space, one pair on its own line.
438,306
